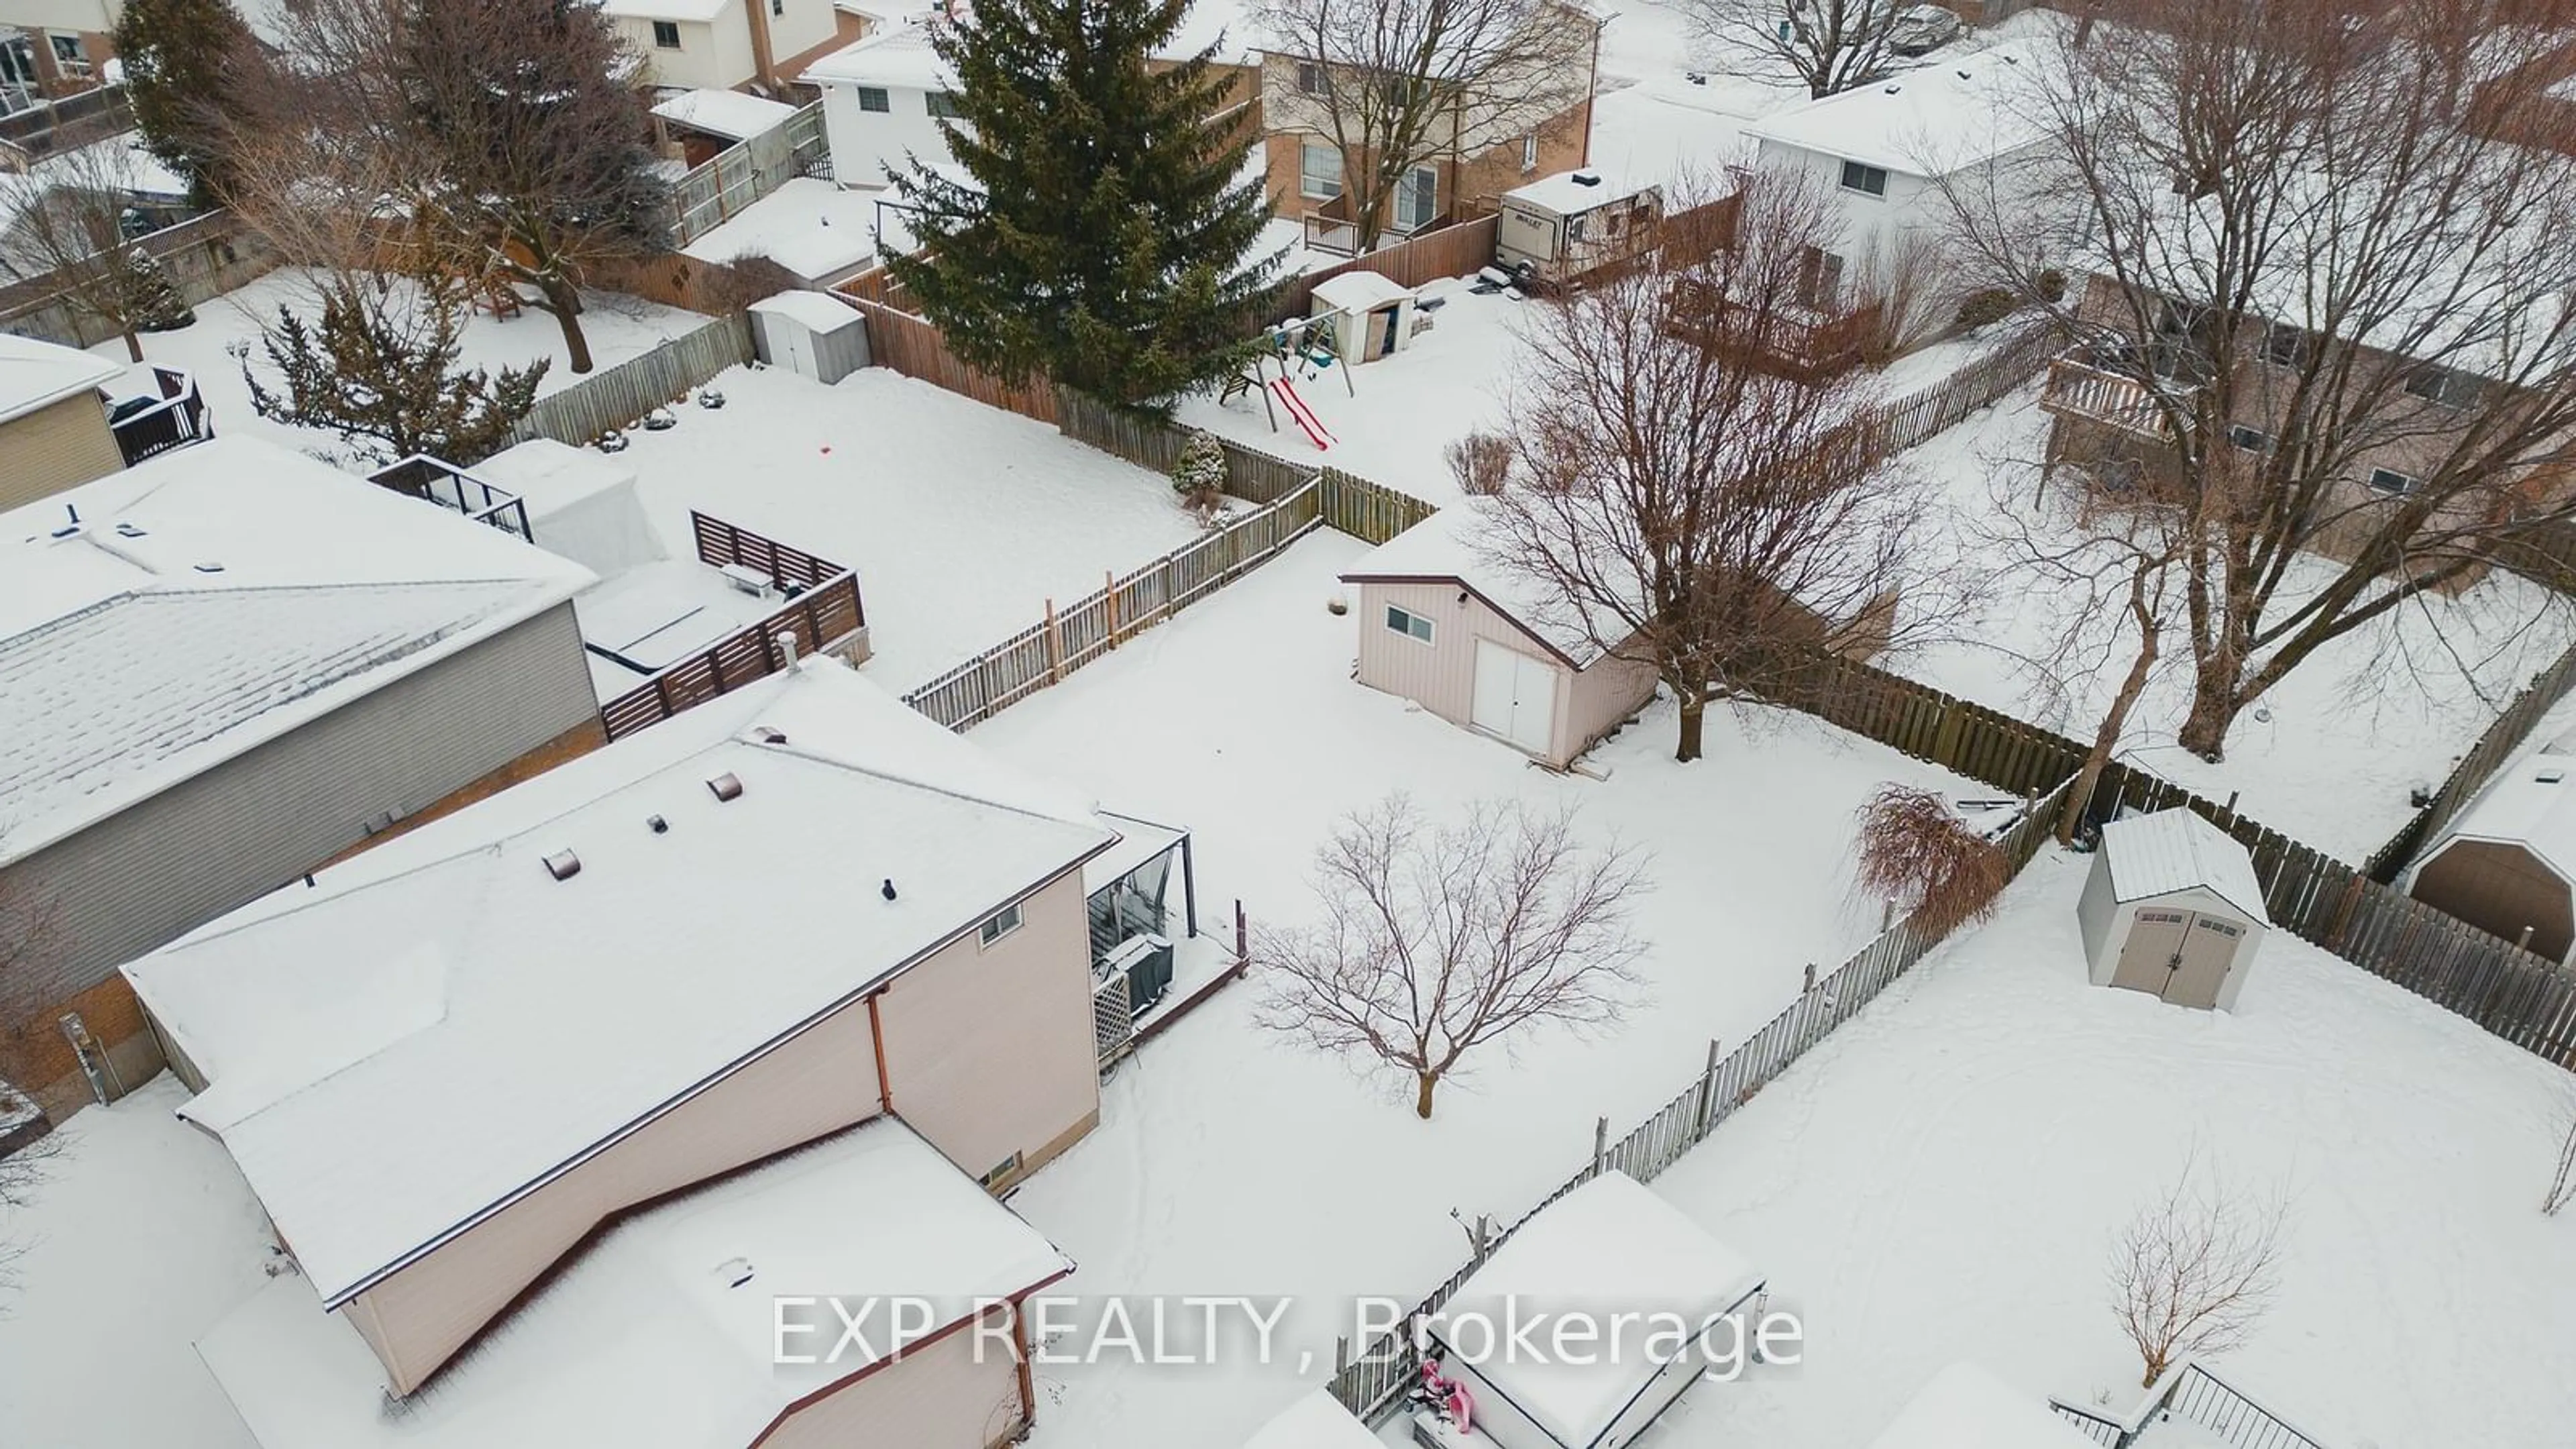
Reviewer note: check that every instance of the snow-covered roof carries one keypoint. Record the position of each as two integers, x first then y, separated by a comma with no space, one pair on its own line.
212,599
1360,290
1965,1407
1454,544
386,1053
1566,193
2531,802
659,1336
724,113
1609,1246
2176,850
898,56
1956,113
811,227
813,310
580,504
1316,1421
36,374
699,11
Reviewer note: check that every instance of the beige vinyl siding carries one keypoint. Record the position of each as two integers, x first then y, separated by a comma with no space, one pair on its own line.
1441,675
822,1080
54,447
151,873
939,1397
989,1049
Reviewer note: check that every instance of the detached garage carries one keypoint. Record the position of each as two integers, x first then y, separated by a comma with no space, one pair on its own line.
2173,909
2504,865
1444,625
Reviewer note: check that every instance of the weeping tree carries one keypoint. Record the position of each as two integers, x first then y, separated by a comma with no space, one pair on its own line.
1097,230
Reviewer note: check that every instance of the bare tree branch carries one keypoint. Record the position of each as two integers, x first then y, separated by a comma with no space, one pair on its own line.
2196,1269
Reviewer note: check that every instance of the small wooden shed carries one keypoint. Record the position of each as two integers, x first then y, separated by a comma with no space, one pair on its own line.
1609,1247
1562,226
1371,315
2172,908
808,332
1446,626
2505,863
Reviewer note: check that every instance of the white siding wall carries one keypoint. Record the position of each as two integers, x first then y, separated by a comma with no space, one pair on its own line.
807,24
713,56
866,145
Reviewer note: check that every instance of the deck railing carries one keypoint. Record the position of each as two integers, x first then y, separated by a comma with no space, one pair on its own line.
2217,1408
178,419
438,481
2076,386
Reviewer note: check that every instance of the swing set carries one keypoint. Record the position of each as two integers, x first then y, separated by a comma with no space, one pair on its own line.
1306,347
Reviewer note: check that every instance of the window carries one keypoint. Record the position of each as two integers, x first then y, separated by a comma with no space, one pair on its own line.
666,35
1529,152
2389,480
1003,1171
1867,180
2442,386
2287,346
1408,624
1003,923
942,105
1319,171
874,98
1417,199
778,7
2252,440
1313,79
67,49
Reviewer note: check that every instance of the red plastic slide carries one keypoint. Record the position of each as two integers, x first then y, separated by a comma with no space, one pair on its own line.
1315,430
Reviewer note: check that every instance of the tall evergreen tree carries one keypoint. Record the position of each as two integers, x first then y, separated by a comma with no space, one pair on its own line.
185,61
1105,238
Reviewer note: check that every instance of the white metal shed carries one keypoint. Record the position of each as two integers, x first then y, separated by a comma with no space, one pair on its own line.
2172,908
1608,1247
1372,315
810,333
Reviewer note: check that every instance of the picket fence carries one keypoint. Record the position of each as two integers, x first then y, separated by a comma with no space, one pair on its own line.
1389,1366
717,190
609,400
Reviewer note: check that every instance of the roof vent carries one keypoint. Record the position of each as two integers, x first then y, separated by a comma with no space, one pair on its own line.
563,865
1963,75
210,567
769,736
2550,775
887,890
128,530
71,524
1587,178
656,824
727,786
734,1271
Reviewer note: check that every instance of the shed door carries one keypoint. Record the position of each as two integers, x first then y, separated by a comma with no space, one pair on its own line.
1515,696
795,346
2207,953
2153,950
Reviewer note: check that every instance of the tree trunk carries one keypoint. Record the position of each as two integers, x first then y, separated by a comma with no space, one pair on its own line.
563,299
2116,719
1694,712
1423,1083
133,344
2213,709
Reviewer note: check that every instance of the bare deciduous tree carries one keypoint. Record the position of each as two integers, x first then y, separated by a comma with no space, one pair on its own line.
1481,462
1398,84
2327,314
1438,939
2562,1181
1915,853
71,219
1829,45
2195,1269
1688,510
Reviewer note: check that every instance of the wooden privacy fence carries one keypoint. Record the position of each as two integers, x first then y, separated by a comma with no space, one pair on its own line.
1916,417
716,191
2526,999
1067,639
826,609
1390,1366
2476,767
913,346
1452,251
609,400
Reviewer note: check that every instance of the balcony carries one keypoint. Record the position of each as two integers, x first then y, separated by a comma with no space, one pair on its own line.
1330,230
2079,387
171,416
435,480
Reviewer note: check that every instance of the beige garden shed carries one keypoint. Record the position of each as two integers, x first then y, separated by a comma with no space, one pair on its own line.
2505,863
1443,624
2172,908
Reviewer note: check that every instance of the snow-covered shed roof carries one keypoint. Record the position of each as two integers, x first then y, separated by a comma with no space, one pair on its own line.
1958,112
385,1051
2531,802
36,373
1316,1420
810,309
1360,290
1609,1246
213,599
2176,850
1965,1407
1567,193
660,1335
1454,544
730,114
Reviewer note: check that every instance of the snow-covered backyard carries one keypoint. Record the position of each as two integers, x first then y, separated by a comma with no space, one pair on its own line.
1942,1179
618,327
1229,1161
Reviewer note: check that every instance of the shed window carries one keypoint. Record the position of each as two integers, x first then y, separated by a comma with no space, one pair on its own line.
1319,171
2389,480
941,104
874,98
1408,623
1003,922
666,35
1867,180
